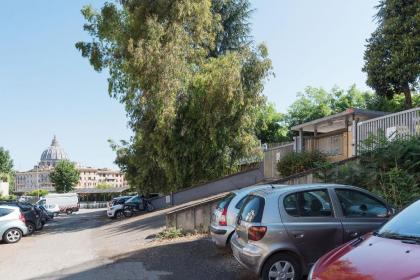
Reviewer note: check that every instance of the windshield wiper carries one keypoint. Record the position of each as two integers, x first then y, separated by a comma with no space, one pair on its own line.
404,238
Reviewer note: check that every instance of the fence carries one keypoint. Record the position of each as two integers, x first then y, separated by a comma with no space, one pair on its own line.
272,156
399,125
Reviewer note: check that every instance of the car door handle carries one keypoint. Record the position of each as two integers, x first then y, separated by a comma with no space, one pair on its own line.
353,234
298,234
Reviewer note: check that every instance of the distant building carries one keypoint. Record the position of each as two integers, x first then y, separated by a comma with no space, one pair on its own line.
39,176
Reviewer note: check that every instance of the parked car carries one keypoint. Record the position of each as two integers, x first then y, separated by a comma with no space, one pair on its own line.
67,202
12,224
281,232
32,217
52,208
137,204
223,219
392,252
116,206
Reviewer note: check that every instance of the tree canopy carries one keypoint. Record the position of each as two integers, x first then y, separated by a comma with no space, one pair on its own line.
6,162
191,81
392,56
65,176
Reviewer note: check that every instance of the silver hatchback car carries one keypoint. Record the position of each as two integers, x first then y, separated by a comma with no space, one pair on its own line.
12,224
223,220
281,232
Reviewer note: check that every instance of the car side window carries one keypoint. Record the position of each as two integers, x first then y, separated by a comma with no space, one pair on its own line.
357,204
308,204
4,212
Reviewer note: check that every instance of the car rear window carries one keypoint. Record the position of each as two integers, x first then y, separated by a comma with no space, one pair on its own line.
5,211
252,209
224,203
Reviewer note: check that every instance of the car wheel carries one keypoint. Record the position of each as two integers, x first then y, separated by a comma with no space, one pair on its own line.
31,227
55,215
281,266
150,207
128,212
69,211
12,235
119,214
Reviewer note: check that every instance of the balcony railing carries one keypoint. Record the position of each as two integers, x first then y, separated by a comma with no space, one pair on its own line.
403,124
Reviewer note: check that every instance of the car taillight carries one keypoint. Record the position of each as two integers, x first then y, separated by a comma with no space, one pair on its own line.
222,220
256,233
21,217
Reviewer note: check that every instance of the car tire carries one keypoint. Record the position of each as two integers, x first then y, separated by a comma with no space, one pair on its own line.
119,214
31,227
128,212
55,214
281,263
12,235
69,211
149,207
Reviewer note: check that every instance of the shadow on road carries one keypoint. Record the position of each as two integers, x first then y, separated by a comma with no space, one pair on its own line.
195,259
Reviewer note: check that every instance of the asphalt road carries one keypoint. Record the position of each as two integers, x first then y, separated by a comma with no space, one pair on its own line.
87,245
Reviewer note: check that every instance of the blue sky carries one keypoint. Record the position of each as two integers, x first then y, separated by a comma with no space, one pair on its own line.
47,88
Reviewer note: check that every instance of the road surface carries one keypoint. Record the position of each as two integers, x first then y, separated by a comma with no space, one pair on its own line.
88,245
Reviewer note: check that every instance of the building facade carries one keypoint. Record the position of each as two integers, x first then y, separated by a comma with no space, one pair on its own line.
39,176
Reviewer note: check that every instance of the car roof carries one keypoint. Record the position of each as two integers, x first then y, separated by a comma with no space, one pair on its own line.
121,197
257,188
9,207
299,187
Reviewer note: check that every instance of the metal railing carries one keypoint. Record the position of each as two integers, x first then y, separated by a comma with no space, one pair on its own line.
399,125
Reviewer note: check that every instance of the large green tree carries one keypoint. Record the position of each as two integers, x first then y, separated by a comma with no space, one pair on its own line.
392,56
190,81
65,176
271,126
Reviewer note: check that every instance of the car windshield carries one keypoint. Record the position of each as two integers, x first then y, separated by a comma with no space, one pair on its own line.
404,226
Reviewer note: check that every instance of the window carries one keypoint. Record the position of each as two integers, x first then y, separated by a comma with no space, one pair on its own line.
252,209
224,203
358,204
308,204
240,203
4,211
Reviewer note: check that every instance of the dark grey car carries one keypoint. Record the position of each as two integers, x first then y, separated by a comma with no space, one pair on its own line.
281,232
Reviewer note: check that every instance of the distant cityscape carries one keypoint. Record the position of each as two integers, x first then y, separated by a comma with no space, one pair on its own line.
39,176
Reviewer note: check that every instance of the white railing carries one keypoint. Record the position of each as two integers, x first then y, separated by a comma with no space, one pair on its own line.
393,126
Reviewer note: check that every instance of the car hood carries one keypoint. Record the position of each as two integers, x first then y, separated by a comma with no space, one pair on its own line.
369,259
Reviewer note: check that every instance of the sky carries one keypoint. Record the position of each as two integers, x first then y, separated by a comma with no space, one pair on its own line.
47,88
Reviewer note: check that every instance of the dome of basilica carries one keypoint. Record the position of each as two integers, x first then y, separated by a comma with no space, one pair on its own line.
53,154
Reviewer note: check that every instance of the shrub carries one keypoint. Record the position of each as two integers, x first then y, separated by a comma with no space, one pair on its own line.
170,233
298,162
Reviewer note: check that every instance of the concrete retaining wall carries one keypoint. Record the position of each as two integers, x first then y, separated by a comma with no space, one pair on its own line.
225,184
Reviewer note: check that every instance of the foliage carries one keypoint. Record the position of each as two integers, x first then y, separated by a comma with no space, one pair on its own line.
6,163
299,162
170,233
103,186
392,58
8,197
271,126
394,104
190,81
65,176
389,168
38,193
315,103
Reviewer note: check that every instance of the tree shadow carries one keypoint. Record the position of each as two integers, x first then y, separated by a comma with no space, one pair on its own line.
196,259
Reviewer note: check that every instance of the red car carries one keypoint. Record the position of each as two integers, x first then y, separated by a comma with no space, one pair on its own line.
391,253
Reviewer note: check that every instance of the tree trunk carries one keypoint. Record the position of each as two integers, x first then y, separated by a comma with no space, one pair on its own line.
407,95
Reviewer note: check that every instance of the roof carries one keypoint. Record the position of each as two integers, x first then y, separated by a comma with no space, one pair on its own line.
95,190
337,121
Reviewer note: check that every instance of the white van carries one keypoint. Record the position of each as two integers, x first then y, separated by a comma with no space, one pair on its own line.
67,202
